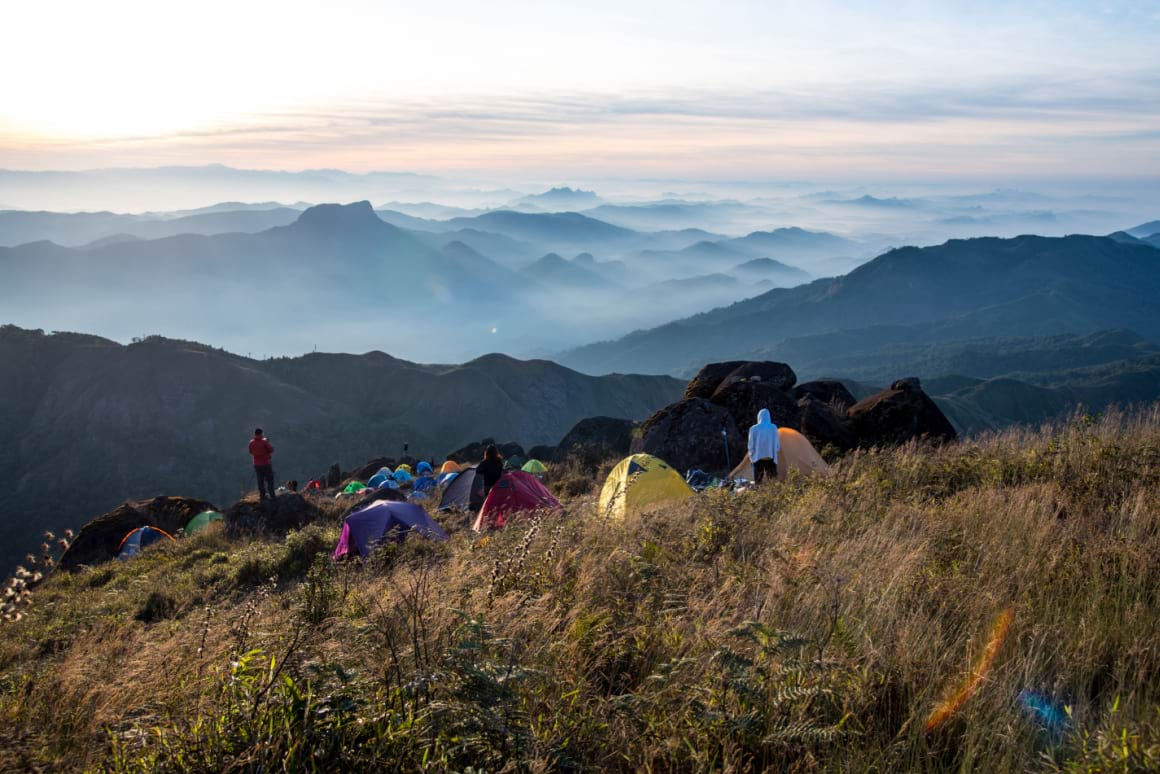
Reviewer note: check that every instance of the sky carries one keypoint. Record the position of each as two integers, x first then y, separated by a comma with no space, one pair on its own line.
729,90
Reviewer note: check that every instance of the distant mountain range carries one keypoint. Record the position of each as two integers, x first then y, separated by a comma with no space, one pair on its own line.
76,229
87,422
337,274
961,289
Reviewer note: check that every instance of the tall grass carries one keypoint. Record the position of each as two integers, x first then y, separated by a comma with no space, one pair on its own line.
986,606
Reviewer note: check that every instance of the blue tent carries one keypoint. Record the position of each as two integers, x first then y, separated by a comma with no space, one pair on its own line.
139,538
402,476
424,468
423,483
377,479
366,528
446,478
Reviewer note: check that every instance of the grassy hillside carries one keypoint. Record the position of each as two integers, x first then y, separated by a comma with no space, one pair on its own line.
987,606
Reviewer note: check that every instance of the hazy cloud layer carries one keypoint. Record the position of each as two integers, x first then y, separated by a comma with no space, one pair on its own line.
828,90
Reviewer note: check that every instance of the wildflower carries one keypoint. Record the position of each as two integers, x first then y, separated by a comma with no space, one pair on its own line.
63,544
49,537
69,534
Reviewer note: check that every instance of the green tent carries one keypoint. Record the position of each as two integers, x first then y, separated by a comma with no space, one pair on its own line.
535,467
354,486
201,521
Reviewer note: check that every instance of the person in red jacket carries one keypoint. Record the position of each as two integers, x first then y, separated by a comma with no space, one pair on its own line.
262,452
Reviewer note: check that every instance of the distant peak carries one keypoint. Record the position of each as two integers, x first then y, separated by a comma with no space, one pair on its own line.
357,215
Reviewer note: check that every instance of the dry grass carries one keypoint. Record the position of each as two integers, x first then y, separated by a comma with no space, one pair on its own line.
816,625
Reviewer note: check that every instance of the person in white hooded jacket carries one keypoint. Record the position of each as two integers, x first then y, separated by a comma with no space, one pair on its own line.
764,446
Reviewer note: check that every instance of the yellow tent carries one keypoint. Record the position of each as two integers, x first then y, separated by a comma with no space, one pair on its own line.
797,453
450,467
638,483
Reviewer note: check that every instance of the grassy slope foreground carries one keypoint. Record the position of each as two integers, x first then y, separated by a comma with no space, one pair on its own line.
989,606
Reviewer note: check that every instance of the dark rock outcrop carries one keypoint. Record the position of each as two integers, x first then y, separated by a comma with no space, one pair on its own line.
99,540
542,453
823,425
333,476
688,434
829,391
598,437
898,414
744,399
284,513
709,378
777,375
473,452
363,472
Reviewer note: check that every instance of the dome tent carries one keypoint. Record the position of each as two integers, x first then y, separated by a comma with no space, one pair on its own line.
201,521
140,538
638,483
424,468
354,486
377,480
796,453
369,526
535,467
515,492
450,466
464,492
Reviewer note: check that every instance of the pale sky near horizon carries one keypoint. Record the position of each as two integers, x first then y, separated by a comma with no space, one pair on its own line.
719,89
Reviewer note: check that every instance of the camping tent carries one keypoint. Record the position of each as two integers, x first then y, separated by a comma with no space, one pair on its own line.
201,521
450,466
367,527
638,483
535,467
514,462
797,453
424,468
464,493
404,466
515,492
377,480
139,538
354,486
402,475
443,479
423,483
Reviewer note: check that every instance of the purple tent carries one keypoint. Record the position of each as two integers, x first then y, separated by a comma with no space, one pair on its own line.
366,527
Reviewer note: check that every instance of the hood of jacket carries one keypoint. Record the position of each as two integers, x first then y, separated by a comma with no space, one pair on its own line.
763,417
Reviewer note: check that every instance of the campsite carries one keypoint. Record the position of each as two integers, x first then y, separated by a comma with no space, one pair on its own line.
562,387
863,610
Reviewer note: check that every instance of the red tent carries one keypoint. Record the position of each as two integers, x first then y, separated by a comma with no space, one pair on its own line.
514,493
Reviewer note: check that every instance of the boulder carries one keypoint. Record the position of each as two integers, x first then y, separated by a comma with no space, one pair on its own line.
598,437
333,476
284,513
688,434
898,414
744,399
99,540
823,425
705,383
542,453
829,391
473,452
372,467
777,375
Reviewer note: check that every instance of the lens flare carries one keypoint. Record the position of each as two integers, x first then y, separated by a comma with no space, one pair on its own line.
971,681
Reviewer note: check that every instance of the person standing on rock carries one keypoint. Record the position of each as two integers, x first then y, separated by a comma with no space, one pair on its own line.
764,446
263,452
490,469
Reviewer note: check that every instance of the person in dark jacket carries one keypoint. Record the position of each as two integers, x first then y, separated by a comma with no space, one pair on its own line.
491,469
263,452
